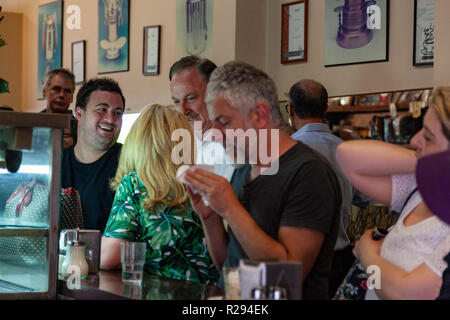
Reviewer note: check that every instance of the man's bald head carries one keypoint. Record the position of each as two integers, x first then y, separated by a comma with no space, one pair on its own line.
309,99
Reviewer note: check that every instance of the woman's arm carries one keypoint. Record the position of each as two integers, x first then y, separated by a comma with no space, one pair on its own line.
395,283
369,165
110,253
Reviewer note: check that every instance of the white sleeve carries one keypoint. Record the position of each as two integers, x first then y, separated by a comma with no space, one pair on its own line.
402,186
435,261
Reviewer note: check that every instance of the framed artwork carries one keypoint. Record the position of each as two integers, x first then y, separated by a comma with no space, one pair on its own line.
150,64
423,32
49,41
78,66
356,31
113,36
194,28
294,31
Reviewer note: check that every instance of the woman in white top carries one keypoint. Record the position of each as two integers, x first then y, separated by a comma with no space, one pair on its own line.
410,257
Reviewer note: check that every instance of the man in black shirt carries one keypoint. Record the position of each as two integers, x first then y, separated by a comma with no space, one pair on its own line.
288,207
92,162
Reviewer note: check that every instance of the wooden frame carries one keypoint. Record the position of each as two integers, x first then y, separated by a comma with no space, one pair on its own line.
294,31
345,46
150,61
423,53
78,64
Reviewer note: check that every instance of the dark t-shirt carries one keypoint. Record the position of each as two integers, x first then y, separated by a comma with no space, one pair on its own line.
92,182
445,289
304,193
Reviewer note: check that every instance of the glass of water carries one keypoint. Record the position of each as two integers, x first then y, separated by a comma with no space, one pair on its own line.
132,256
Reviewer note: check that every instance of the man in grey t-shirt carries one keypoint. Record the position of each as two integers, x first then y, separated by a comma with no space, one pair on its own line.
286,214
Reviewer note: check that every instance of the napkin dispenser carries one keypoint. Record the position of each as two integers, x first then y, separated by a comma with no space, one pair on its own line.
286,274
92,240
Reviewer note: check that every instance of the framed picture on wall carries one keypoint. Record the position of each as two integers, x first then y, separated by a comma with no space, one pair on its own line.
49,41
78,66
356,32
423,32
194,25
150,64
113,36
294,31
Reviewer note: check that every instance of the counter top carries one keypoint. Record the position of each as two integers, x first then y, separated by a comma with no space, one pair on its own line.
107,285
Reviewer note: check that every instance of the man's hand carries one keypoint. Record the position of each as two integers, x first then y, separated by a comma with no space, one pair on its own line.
215,189
199,206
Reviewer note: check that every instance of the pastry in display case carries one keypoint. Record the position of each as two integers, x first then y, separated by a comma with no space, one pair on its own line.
30,167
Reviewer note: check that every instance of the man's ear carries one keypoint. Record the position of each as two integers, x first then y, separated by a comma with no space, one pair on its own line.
291,110
261,114
78,112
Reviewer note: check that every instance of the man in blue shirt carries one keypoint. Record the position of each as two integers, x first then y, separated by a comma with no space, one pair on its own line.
308,101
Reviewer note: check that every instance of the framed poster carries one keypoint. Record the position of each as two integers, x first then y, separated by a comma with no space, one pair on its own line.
49,41
78,66
194,28
356,31
150,64
294,31
423,32
113,36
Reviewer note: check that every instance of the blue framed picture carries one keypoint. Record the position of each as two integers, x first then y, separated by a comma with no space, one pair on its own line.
49,41
113,36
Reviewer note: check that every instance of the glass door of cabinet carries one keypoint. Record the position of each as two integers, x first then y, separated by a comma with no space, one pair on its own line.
29,204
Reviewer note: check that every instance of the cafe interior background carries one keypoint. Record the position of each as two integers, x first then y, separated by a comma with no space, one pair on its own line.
246,30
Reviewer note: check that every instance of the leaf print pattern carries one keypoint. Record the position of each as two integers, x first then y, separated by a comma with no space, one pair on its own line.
354,286
176,245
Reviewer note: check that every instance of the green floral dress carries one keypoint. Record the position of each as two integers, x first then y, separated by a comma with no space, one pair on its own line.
176,244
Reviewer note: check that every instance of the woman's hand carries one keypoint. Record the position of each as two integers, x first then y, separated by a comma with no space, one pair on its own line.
366,247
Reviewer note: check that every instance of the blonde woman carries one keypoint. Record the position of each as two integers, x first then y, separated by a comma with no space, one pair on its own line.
151,206
410,257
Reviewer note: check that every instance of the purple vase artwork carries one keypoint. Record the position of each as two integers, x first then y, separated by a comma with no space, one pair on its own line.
353,31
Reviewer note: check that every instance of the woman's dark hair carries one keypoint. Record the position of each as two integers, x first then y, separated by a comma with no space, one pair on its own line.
97,84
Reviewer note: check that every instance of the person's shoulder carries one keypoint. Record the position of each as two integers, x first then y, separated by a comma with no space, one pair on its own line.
131,181
117,146
67,153
301,152
115,149
304,158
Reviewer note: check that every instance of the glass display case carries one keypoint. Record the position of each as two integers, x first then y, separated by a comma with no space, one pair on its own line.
30,167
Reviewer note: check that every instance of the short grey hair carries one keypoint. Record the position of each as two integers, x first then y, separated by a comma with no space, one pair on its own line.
65,73
242,85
